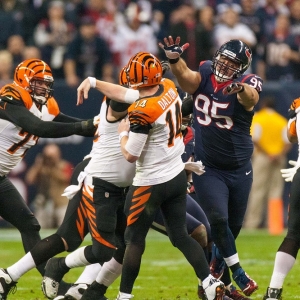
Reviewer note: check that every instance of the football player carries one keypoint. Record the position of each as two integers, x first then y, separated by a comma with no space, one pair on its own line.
29,111
80,214
223,106
155,124
287,252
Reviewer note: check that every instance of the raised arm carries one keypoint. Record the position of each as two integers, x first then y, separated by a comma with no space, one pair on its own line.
187,79
111,90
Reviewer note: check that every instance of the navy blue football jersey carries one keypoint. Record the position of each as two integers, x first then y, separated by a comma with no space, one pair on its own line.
222,125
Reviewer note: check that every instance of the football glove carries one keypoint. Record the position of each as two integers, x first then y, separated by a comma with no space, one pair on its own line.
196,167
172,49
165,66
288,174
233,88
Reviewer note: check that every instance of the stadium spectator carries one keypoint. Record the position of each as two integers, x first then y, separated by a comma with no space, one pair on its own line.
6,67
52,35
16,45
229,27
31,52
223,107
271,146
11,20
287,252
249,17
87,55
267,14
50,174
133,36
195,28
279,52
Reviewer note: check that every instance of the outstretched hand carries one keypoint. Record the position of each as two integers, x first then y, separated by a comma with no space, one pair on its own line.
83,90
288,174
171,48
233,88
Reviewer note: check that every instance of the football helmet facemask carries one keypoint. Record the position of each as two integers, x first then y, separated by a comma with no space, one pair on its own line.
35,76
231,60
143,69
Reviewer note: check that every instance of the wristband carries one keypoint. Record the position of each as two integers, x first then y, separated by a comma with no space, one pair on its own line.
92,81
122,134
173,61
131,96
243,88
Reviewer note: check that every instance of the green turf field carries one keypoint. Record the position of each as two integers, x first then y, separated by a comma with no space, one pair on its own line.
164,274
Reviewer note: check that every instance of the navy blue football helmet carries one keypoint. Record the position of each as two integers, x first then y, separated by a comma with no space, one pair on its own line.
239,55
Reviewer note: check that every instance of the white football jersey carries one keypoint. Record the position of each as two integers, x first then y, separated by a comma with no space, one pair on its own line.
160,160
108,162
14,141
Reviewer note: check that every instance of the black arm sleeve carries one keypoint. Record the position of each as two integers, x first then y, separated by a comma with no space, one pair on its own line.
21,116
66,119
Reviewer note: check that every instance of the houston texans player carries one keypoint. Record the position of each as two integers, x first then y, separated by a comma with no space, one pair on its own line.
223,102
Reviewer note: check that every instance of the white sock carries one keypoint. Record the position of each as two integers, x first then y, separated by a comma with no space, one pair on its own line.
110,271
76,259
89,274
124,296
283,264
232,260
22,266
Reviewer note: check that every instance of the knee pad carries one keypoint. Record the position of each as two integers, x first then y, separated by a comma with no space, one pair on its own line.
31,224
102,253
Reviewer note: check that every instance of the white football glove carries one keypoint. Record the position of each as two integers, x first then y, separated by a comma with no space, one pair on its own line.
196,167
233,88
288,174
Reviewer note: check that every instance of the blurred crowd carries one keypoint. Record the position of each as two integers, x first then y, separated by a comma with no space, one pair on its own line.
80,38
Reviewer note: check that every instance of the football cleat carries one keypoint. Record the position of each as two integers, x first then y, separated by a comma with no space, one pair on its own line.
124,296
215,289
217,265
273,294
7,285
235,294
244,282
201,293
94,291
76,291
54,273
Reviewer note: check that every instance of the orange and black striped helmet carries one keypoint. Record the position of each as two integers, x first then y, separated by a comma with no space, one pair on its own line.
143,69
123,77
31,70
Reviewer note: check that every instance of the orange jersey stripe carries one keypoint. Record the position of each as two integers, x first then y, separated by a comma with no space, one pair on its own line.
11,91
148,109
53,107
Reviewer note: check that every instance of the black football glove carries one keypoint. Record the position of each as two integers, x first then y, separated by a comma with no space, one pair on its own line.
233,88
165,66
172,49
